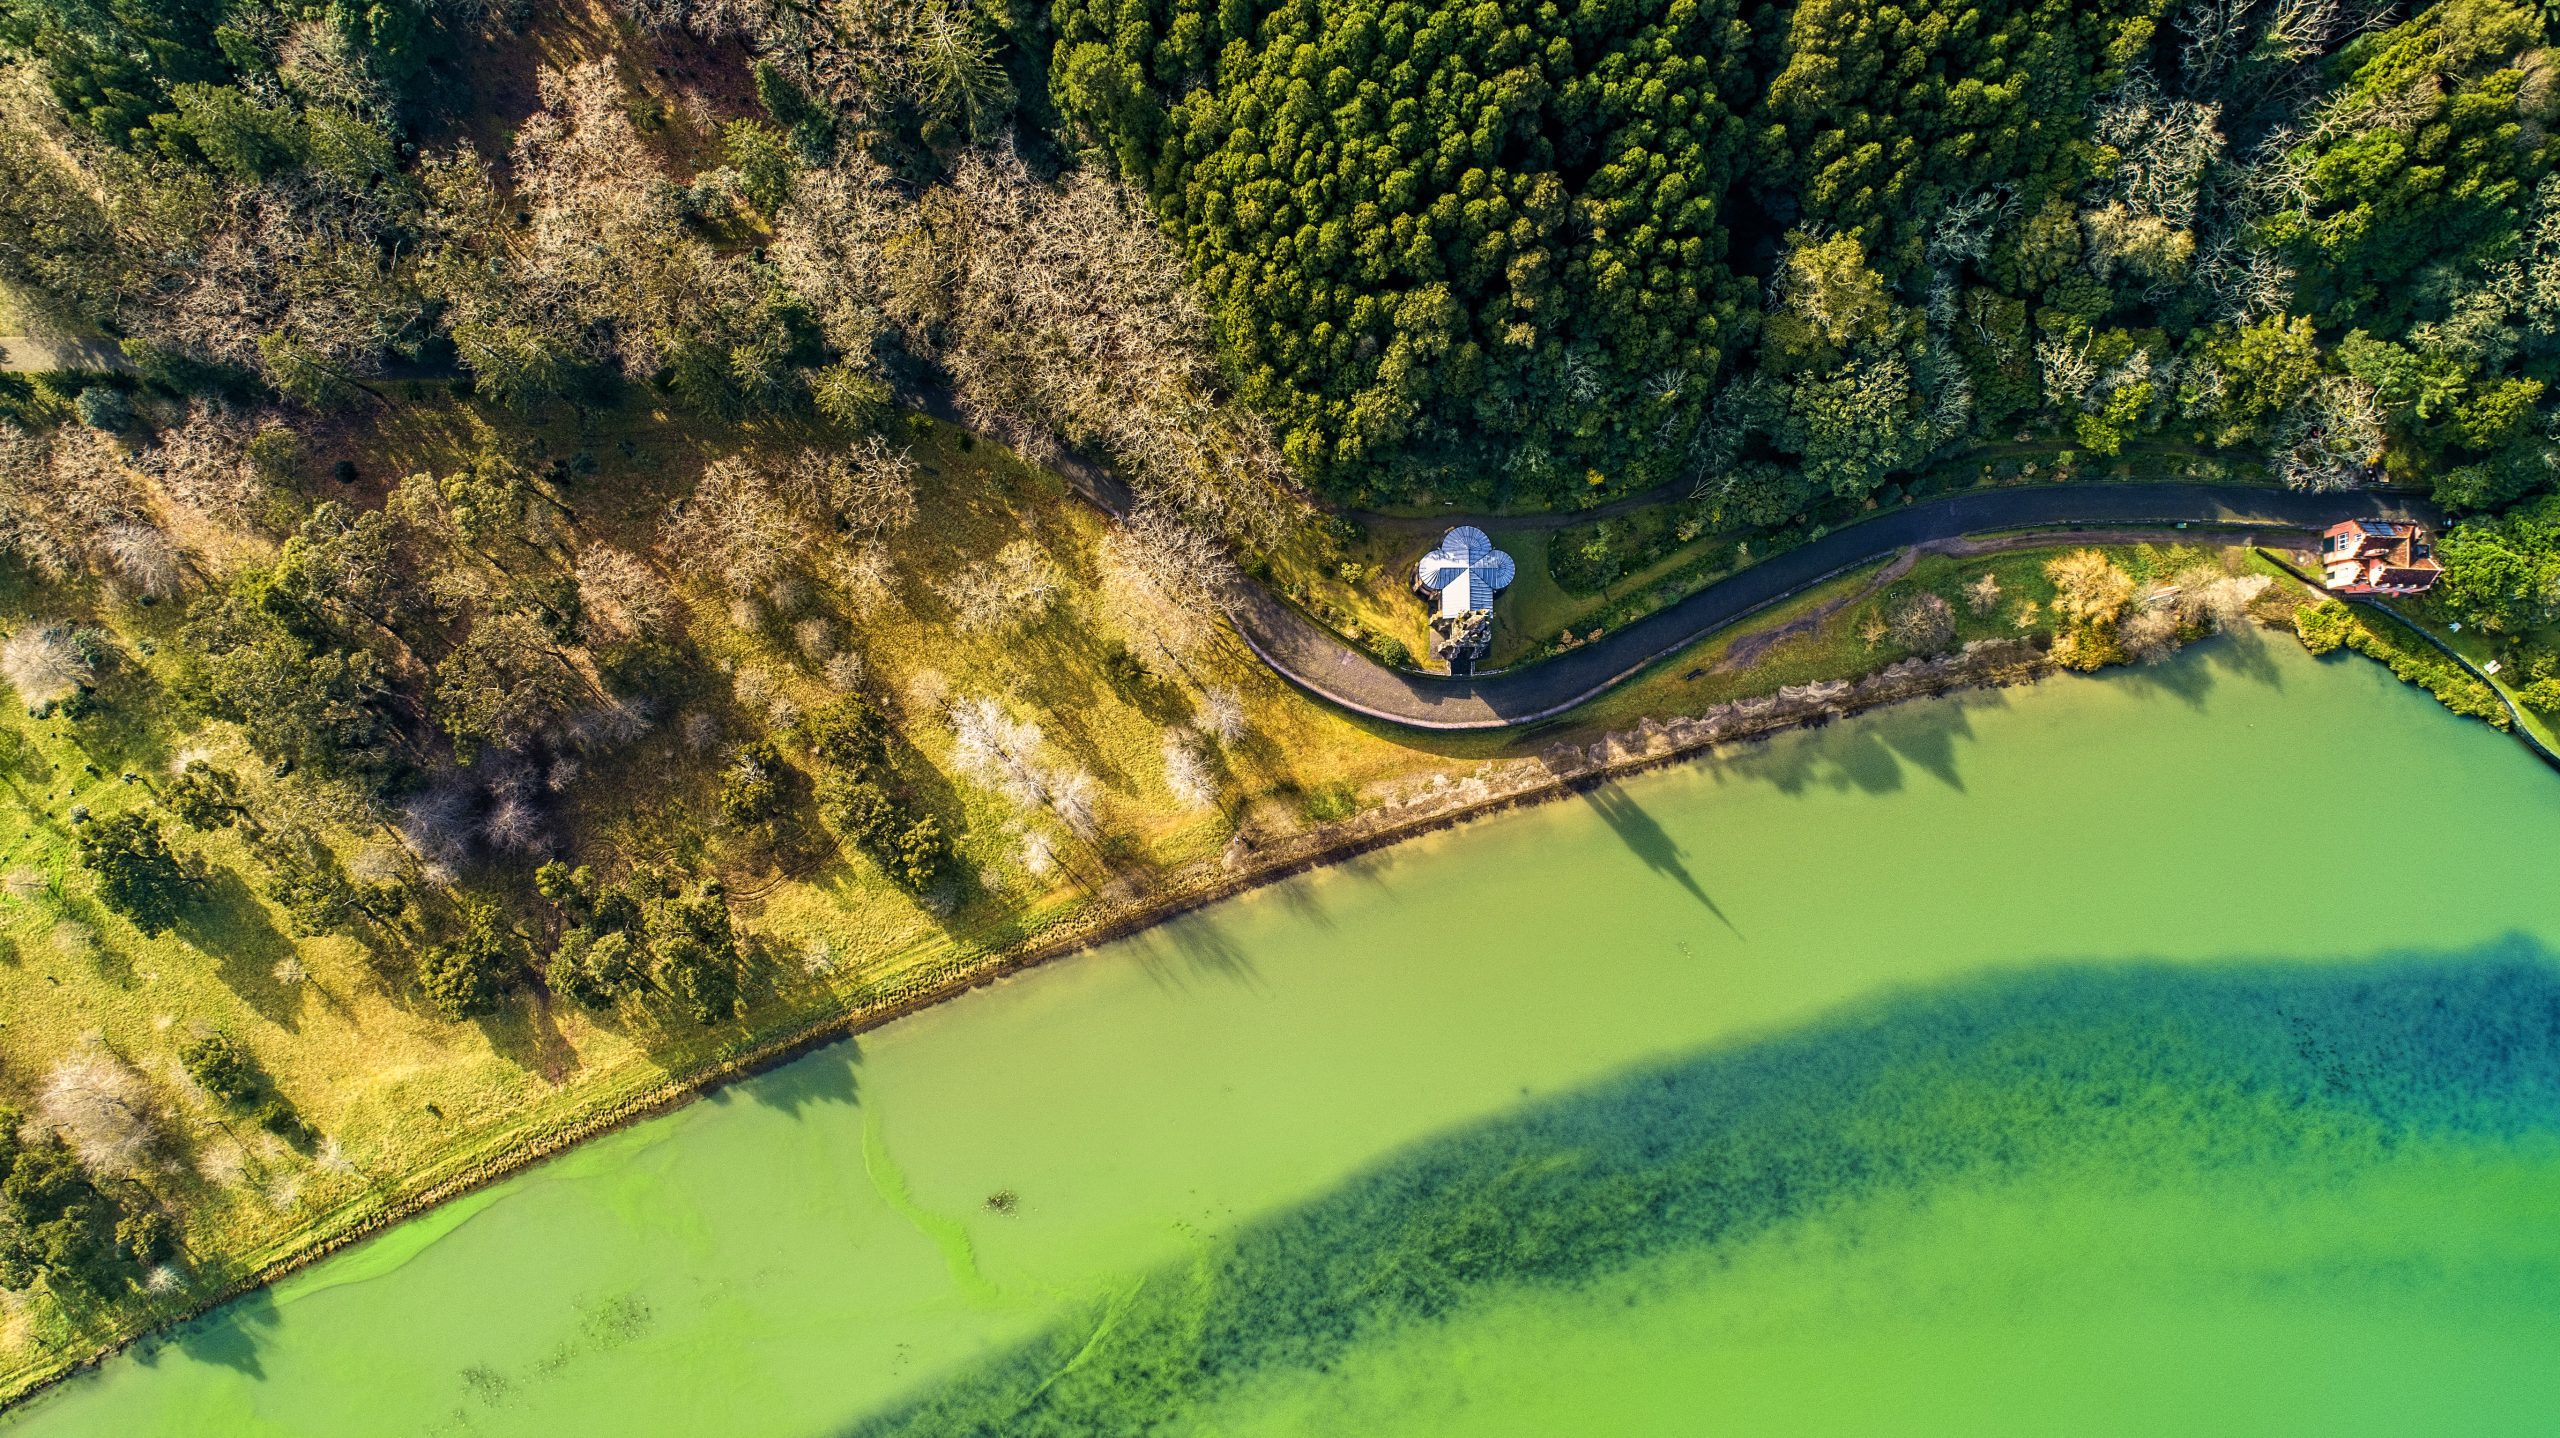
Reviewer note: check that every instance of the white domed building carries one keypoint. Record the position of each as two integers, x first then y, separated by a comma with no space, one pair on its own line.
1461,578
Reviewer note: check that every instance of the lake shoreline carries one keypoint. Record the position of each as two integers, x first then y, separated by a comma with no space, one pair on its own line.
1561,771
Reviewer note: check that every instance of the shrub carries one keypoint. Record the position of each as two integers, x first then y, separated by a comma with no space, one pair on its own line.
466,977
593,969
2323,626
697,956
751,789
850,734
919,854
2331,624
205,798
222,1068
103,407
62,1230
137,875
910,847
857,808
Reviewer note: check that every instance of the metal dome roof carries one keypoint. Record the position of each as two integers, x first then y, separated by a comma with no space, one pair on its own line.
1465,572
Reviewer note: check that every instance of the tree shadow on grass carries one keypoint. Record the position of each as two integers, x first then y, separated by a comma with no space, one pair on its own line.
526,1035
1060,677
121,734
229,925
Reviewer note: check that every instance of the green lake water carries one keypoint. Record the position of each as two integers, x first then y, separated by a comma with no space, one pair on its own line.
2166,1052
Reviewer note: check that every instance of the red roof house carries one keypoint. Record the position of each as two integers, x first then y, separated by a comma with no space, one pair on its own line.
2378,556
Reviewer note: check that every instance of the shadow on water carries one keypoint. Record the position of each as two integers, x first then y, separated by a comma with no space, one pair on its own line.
229,1337
1645,838
824,1078
2190,674
1868,752
1194,946
1926,735
2147,1072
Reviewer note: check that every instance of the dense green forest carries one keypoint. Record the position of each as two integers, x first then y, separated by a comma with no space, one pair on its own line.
1529,251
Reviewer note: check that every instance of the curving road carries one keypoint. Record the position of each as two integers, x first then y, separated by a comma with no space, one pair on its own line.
1324,666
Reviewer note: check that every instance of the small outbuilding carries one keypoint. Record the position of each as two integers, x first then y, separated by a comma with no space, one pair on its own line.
2378,556
1461,578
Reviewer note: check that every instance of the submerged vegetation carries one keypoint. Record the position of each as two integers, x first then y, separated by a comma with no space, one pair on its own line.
2168,1071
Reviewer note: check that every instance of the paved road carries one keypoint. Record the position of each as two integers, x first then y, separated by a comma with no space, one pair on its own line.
1323,666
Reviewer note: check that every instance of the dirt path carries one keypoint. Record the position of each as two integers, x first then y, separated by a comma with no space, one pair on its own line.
35,354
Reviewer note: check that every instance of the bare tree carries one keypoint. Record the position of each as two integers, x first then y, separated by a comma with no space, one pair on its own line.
2149,634
2216,34
204,463
144,559
1037,856
515,826
2211,599
2164,148
815,637
1186,776
621,593
708,19
2333,439
1924,624
1072,795
1982,596
2069,373
42,663
1222,715
832,245
1013,590
999,751
1164,586
733,527
1062,315
27,527
436,825
868,489
102,1108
